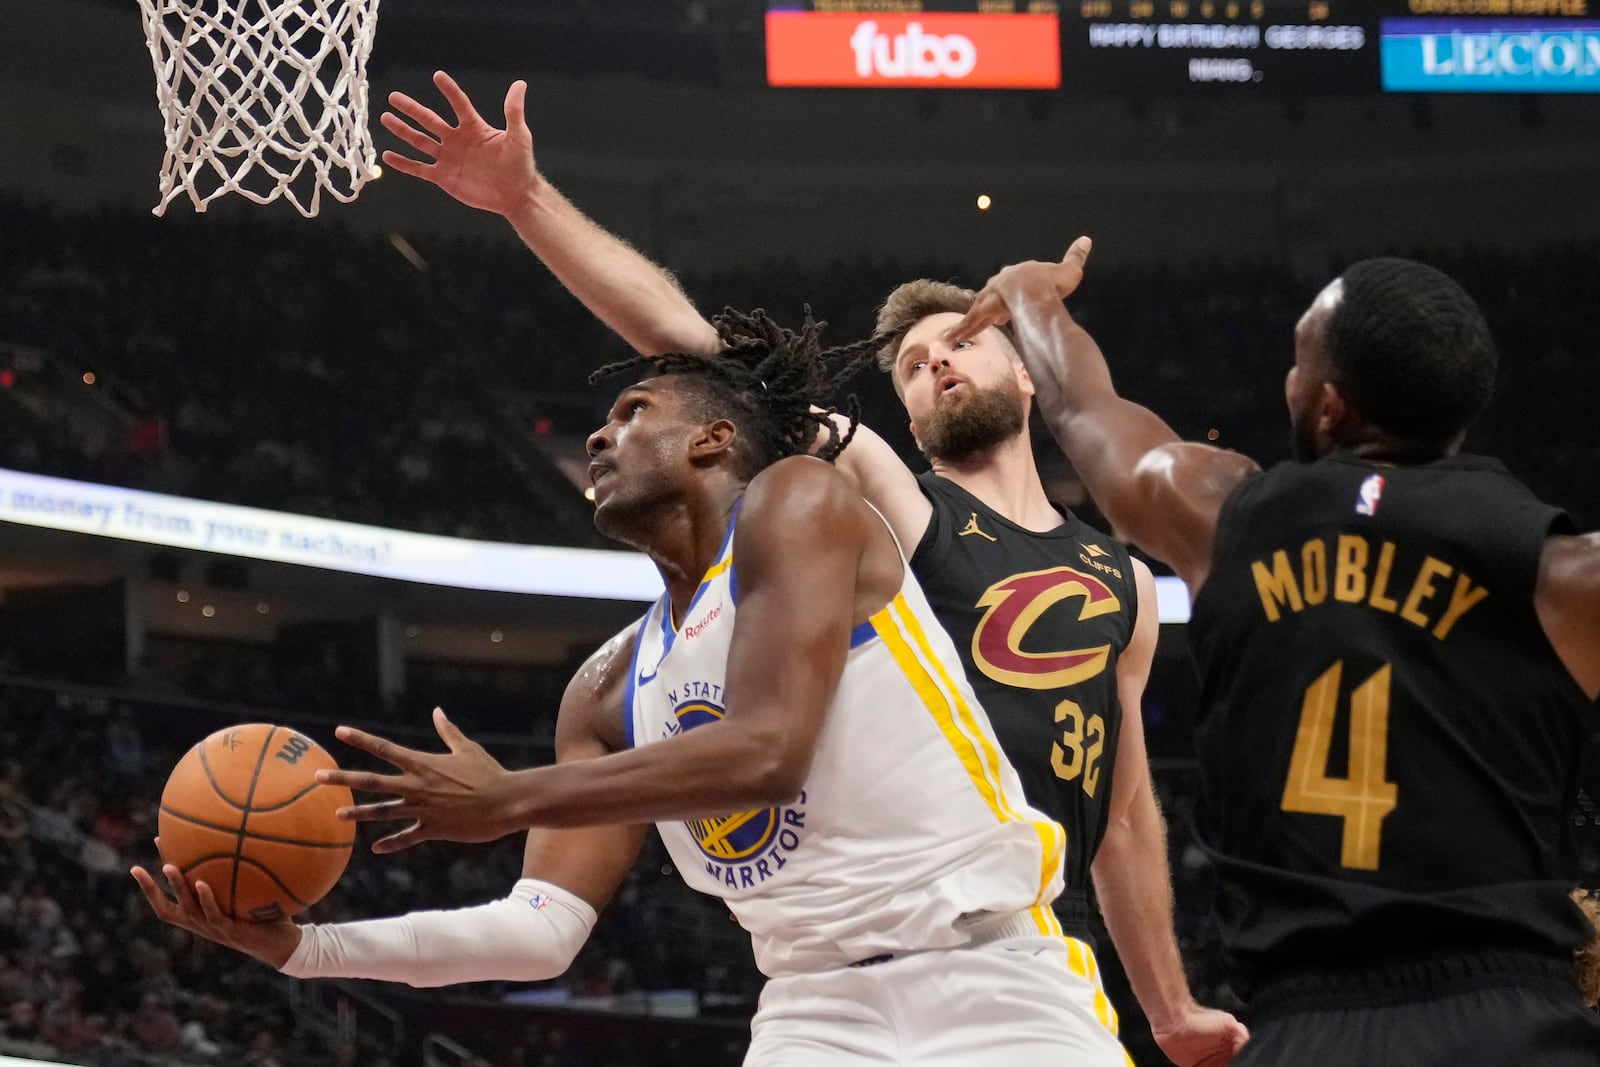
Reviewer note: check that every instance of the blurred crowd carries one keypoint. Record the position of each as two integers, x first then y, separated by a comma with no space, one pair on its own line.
86,971
409,381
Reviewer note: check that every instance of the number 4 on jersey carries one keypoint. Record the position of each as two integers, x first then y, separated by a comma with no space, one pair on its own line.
1363,797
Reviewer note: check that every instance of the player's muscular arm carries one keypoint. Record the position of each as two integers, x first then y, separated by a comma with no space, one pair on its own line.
800,542
500,940
1131,877
881,476
494,170
590,861
1159,491
1567,599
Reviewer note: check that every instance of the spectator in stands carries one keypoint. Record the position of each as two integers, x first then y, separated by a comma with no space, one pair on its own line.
154,1027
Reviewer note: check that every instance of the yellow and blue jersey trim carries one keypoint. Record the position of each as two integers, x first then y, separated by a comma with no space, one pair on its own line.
977,752
669,633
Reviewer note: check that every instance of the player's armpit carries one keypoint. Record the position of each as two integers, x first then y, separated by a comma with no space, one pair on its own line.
882,477
1567,599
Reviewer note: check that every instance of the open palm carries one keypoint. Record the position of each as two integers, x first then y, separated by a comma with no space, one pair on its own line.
478,164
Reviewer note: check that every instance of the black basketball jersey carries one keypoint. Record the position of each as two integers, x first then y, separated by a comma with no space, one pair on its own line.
1387,739
1040,620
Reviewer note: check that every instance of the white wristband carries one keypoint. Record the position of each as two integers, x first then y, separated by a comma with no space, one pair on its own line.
529,936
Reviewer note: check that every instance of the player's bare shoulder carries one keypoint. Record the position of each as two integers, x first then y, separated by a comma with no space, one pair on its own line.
1567,598
802,511
801,488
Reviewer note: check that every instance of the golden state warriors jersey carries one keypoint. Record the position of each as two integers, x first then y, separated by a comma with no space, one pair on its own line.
911,831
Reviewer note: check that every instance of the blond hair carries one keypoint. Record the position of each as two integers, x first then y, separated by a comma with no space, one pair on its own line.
908,305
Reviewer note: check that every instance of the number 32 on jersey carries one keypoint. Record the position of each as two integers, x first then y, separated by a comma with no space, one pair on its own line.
1363,797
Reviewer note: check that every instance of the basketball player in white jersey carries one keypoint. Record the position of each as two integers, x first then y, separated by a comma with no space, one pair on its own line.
979,530
895,884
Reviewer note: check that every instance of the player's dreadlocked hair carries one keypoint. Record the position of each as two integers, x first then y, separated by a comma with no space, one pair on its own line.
774,384
1411,349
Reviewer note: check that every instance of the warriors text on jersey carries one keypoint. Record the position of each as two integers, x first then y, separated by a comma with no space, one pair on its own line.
911,830
1387,739
1039,620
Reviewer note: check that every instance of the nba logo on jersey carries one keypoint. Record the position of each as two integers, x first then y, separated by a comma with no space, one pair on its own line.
1371,493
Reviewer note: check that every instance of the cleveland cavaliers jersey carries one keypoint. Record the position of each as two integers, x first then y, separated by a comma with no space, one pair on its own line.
1039,620
1387,740
911,829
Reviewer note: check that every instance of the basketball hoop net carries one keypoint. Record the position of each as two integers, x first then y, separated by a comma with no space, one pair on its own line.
264,98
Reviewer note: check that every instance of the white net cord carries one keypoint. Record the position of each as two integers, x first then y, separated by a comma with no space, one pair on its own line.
263,98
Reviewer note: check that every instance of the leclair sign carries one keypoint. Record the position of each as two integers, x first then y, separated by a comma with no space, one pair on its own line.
1491,55
922,51
279,537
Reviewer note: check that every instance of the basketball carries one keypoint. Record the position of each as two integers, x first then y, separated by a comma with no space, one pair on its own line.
242,812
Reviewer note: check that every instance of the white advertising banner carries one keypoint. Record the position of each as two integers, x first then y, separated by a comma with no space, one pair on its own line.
279,537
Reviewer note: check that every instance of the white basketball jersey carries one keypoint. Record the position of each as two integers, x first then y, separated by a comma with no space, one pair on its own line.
912,828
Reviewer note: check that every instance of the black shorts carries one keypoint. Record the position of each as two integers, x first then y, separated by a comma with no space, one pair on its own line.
1489,1010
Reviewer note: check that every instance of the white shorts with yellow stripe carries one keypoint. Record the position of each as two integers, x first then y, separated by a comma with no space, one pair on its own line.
1017,997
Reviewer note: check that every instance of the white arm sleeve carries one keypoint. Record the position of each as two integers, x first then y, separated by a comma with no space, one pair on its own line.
527,937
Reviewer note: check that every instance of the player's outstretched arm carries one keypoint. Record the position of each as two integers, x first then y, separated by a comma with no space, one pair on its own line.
799,542
1132,880
532,934
494,169
1567,598
1159,491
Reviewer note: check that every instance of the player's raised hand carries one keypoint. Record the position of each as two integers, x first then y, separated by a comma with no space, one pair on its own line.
193,907
478,164
991,307
460,795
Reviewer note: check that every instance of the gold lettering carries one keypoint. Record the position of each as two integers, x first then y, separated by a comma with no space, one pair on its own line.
1277,587
1350,572
1380,581
1569,8
1423,589
1314,568
1463,599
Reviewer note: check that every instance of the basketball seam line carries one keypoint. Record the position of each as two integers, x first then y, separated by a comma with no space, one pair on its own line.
205,765
252,862
255,834
285,803
244,821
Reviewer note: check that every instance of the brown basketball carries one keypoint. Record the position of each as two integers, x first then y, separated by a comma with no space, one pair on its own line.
242,812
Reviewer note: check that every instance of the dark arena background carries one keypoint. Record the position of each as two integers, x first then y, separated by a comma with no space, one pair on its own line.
258,467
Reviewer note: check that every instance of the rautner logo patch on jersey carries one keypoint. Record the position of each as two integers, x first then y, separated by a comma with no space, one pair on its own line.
746,848
1371,493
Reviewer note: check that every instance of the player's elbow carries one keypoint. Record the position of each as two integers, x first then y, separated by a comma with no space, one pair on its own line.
779,782
776,771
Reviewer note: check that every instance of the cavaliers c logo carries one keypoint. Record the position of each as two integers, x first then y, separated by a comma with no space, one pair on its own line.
1015,604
